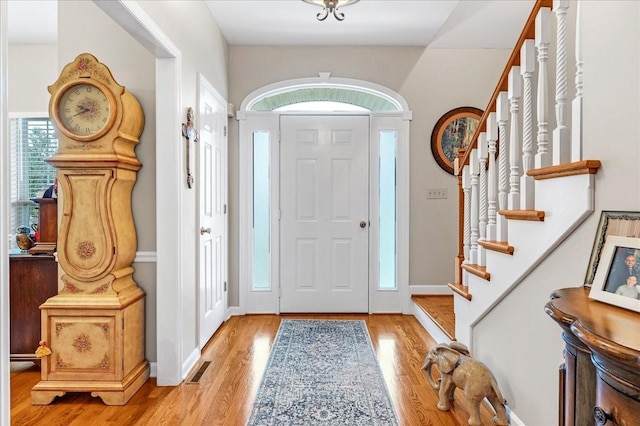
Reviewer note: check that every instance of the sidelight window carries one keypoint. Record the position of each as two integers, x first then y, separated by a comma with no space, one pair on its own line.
387,188
261,206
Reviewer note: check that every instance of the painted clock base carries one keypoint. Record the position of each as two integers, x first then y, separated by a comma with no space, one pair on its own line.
111,393
97,347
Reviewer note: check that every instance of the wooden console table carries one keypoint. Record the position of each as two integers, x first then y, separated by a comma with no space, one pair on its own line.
600,380
32,280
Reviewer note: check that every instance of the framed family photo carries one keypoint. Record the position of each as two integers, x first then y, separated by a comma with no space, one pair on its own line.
617,279
619,223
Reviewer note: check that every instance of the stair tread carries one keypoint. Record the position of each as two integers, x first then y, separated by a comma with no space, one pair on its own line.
499,246
438,307
477,270
570,169
462,290
533,215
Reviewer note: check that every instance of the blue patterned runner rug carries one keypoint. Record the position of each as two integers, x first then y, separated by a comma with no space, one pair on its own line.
322,372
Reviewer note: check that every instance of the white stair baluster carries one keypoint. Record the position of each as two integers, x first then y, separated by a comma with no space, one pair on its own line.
466,189
543,37
527,68
502,111
473,166
562,133
515,92
483,152
576,106
492,184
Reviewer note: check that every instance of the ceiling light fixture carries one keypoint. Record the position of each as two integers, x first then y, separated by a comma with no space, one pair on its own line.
331,7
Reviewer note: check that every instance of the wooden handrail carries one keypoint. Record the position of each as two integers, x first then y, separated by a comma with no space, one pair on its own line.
528,33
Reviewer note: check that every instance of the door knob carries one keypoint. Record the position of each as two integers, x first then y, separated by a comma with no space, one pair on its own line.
363,224
204,230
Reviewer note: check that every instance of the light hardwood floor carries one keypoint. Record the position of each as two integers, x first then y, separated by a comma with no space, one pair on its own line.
224,395
440,309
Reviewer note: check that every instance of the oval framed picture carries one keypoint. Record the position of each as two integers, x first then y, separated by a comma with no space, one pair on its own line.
452,131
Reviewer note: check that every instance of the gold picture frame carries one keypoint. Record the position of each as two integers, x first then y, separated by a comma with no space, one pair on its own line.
612,283
453,130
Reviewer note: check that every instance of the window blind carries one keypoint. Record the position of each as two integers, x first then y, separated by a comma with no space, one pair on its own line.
33,139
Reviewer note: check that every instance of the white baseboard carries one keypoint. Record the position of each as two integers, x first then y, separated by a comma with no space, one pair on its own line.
429,289
153,369
190,362
513,419
233,311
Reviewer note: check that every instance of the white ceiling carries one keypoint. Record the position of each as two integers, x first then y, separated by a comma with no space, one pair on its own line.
433,23
32,22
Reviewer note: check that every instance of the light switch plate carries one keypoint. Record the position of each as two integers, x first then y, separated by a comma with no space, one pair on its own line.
436,193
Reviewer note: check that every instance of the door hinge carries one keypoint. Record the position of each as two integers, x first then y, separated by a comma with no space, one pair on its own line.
279,214
123,323
225,209
225,130
225,286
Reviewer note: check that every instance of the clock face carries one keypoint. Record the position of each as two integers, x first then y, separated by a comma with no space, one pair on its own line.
84,110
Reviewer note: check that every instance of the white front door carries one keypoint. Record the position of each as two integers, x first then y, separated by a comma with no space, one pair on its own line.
324,203
212,186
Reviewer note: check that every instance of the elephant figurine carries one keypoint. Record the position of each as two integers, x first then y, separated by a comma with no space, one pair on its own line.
458,369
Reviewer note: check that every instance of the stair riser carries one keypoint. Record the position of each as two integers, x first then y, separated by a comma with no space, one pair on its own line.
567,202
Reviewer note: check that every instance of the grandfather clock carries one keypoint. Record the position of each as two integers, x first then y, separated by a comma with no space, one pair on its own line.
94,326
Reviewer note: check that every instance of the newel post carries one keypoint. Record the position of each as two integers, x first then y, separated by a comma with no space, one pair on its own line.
457,165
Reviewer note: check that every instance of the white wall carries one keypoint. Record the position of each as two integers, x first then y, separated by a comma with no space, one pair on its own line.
31,69
517,340
433,81
192,29
442,79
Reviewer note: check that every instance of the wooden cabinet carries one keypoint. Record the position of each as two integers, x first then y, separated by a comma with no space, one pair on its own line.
600,381
47,226
32,280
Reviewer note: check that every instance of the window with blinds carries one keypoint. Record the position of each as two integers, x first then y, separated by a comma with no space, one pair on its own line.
33,139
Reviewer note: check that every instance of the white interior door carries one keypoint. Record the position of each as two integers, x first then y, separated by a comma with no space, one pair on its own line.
212,186
324,202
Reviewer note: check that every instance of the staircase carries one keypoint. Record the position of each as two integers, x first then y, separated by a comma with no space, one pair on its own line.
523,184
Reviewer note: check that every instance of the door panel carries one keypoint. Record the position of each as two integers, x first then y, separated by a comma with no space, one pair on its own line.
324,198
212,185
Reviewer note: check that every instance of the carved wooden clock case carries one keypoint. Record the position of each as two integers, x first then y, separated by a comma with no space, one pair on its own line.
94,326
